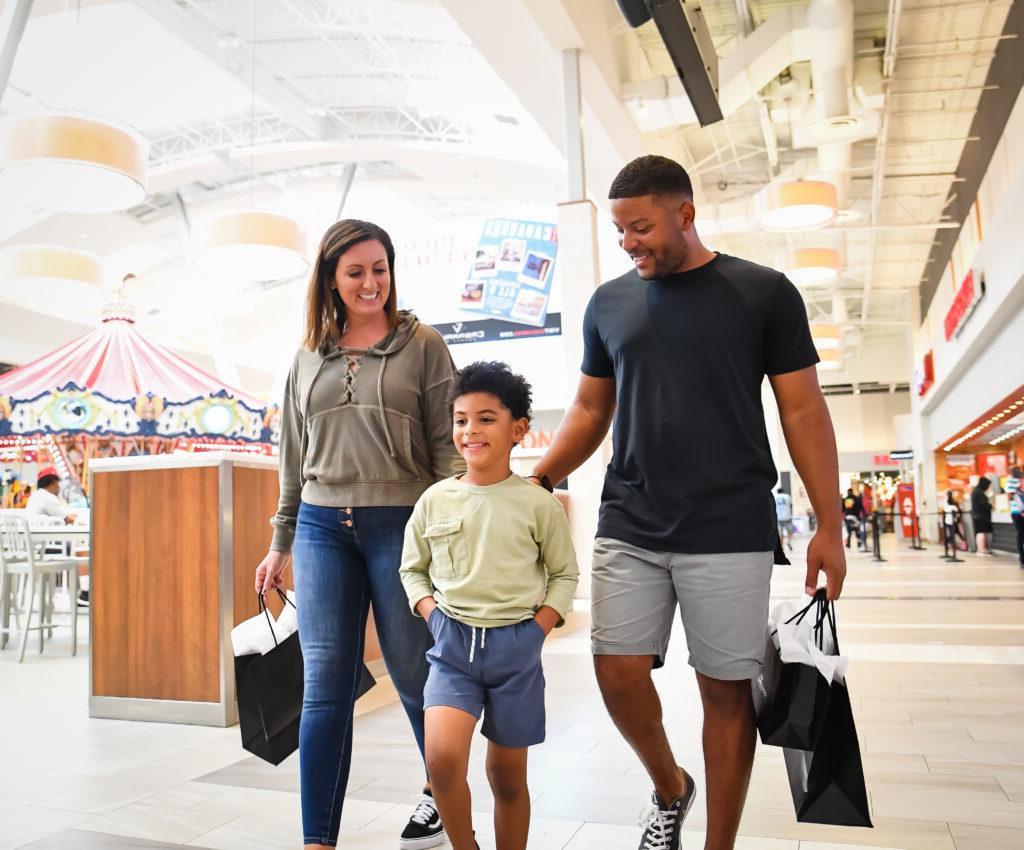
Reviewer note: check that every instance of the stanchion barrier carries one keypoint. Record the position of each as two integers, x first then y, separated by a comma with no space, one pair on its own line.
915,537
876,538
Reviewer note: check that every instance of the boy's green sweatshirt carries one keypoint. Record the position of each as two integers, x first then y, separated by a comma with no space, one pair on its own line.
490,556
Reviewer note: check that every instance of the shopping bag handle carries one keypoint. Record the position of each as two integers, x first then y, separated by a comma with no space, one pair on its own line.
263,610
826,609
819,596
266,613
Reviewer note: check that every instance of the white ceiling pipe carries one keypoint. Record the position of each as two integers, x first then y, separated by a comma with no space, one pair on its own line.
832,76
832,54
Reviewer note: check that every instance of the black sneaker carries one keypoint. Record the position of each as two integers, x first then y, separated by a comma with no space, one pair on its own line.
83,599
424,828
663,824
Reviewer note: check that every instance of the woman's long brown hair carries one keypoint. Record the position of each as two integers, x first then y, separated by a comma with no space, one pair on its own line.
325,312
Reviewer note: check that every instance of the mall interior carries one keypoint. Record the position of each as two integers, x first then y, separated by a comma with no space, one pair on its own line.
167,170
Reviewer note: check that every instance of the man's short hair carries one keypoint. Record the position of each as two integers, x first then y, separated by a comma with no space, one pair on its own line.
495,378
651,175
46,481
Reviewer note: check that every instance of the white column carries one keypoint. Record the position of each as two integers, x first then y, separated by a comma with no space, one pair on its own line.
579,274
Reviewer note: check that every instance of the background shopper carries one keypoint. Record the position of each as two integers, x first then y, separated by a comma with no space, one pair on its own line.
784,516
1017,515
952,517
45,502
981,515
365,431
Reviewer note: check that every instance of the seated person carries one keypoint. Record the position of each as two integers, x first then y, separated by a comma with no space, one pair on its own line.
46,502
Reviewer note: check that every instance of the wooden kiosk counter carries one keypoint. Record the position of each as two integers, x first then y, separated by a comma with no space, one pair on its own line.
176,540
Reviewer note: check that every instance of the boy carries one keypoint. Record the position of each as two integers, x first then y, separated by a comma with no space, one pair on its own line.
489,564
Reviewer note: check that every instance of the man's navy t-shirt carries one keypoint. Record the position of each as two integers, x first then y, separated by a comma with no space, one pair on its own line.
691,469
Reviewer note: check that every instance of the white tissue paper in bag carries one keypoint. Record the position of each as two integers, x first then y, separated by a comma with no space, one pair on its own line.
797,643
254,636
287,624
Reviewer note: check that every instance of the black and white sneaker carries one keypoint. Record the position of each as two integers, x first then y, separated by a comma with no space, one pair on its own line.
663,824
424,828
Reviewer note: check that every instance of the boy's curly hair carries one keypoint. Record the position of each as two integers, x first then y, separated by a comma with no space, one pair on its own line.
497,379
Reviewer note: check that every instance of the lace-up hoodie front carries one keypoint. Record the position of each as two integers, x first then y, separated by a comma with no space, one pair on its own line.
365,428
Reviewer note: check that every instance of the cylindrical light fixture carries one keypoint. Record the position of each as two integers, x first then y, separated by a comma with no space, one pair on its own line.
828,341
72,163
807,266
797,205
51,279
249,245
831,358
826,336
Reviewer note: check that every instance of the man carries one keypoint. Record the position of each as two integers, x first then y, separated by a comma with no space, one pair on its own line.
676,351
46,507
784,516
45,501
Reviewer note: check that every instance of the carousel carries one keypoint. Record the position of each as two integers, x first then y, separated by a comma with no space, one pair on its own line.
115,393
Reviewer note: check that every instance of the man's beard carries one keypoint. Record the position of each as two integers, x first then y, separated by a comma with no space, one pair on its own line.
667,263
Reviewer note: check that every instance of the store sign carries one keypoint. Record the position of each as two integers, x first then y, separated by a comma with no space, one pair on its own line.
512,270
902,454
960,460
966,300
924,376
993,464
496,330
884,461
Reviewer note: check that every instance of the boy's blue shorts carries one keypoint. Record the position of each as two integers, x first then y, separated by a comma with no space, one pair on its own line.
496,672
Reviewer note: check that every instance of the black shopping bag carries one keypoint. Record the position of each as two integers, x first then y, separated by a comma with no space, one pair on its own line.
791,700
269,688
828,783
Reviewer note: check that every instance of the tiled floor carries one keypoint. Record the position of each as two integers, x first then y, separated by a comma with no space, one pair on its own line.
937,682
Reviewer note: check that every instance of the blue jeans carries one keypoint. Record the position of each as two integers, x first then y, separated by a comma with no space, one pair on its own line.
339,571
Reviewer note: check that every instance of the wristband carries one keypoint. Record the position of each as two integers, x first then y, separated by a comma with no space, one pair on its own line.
544,482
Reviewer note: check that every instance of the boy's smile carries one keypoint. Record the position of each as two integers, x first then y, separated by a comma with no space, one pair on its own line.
484,432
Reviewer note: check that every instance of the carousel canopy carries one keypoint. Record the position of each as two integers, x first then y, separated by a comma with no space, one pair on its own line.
114,381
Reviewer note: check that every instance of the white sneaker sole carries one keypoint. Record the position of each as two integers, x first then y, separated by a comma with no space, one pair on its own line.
422,843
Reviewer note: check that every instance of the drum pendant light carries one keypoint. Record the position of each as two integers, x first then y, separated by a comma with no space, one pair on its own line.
66,162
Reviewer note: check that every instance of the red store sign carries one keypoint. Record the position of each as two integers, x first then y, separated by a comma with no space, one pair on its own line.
963,304
925,376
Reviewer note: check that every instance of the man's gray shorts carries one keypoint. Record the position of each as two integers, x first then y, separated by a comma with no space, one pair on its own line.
722,599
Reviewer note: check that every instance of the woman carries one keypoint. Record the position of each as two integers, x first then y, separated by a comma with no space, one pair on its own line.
365,430
981,514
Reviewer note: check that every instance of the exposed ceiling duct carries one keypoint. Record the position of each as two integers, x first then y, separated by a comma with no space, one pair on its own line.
820,34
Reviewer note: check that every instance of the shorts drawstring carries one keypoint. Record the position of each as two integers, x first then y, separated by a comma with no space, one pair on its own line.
472,645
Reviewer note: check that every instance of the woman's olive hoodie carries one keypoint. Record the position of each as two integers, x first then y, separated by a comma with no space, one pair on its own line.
385,447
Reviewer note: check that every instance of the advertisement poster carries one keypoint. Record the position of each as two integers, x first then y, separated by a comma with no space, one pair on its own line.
512,270
908,511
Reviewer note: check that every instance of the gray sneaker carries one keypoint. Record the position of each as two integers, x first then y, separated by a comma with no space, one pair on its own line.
663,824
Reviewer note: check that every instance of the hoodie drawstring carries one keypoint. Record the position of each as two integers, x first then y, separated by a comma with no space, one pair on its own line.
380,403
472,645
303,411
